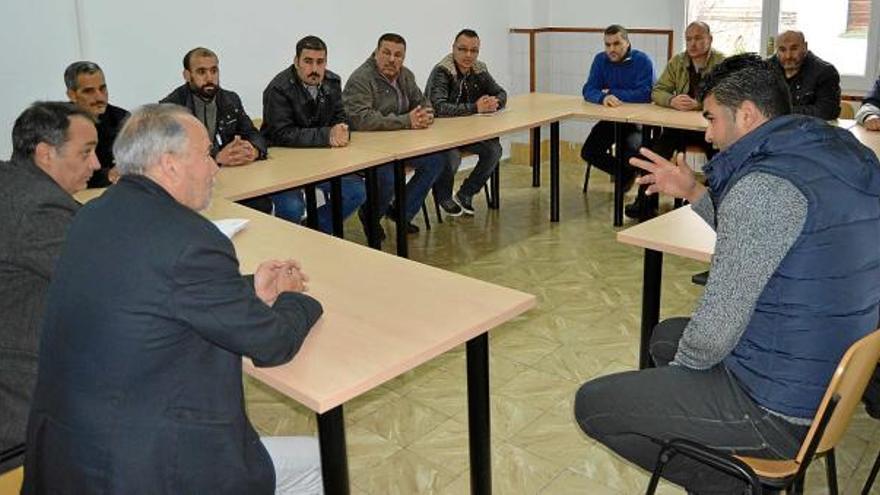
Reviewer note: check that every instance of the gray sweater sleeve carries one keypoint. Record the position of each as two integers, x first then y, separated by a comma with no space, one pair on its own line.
706,209
758,222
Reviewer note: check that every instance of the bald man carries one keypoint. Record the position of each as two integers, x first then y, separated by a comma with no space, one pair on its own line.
677,89
814,83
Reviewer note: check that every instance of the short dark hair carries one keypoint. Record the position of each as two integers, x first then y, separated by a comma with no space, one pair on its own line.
310,43
392,38
747,77
470,33
43,122
617,29
72,72
198,51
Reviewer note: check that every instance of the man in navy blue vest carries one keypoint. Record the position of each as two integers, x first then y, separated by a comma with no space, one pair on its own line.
796,205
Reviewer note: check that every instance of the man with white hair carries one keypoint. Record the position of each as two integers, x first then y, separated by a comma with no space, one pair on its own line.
147,319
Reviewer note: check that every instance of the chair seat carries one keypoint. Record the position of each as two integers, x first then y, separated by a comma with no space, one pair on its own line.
771,469
10,481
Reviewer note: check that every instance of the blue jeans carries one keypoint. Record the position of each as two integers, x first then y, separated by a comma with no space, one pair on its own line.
427,169
290,205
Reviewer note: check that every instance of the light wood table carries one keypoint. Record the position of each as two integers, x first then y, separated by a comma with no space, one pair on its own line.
526,111
287,168
650,114
383,315
871,139
680,232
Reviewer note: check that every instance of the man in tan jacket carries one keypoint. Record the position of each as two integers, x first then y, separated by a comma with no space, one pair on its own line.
676,89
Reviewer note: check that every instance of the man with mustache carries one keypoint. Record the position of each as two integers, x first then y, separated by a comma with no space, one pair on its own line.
382,95
814,83
87,89
234,139
302,108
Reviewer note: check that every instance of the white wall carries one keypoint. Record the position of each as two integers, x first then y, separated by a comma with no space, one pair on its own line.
668,14
32,43
140,44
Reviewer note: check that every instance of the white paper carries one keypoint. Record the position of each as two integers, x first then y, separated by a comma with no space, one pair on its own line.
231,226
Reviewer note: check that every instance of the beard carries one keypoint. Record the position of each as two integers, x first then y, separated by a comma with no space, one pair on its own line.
205,92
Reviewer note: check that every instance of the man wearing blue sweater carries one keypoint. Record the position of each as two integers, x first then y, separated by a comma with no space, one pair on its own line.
620,74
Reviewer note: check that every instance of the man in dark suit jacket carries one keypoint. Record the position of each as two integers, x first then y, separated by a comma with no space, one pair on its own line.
53,157
234,139
87,88
147,320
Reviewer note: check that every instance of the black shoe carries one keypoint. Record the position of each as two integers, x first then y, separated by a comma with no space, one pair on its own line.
450,207
640,209
380,232
411,228
700,278
465,202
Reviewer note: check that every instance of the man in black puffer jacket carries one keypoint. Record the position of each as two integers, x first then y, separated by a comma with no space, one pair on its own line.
461,85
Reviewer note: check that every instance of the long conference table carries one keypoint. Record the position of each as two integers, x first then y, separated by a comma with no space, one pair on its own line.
383,316
682,232
289,168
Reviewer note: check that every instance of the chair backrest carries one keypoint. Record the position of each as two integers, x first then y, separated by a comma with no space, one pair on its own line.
846,110
848,384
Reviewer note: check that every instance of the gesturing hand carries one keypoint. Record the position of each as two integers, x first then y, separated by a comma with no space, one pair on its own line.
675,179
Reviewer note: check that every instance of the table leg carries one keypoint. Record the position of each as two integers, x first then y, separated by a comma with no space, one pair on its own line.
336,205
311,207
536,156
400,199
371,209
479,414
495,186
334,459
554,171
652,277
618,175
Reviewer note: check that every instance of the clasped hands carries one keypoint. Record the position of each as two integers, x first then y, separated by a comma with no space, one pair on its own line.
274,277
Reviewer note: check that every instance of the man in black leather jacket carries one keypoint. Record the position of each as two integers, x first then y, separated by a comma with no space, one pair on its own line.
814,83
461,85
234,138
302,108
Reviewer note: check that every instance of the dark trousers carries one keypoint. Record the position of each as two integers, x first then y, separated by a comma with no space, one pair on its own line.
426,170
597,148
632,413
672,140
488,153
